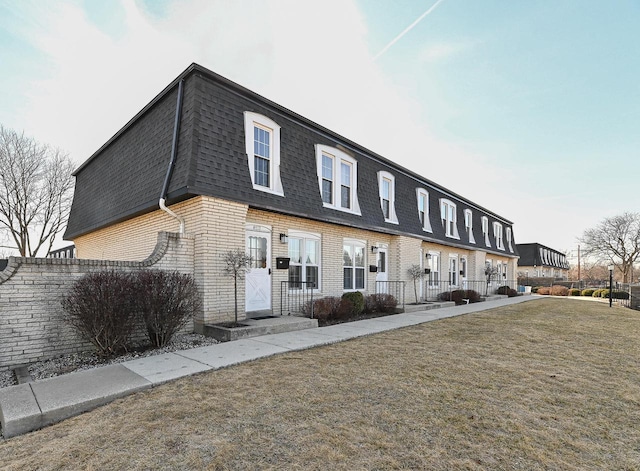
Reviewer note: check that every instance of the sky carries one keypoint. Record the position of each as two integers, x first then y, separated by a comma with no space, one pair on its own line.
530,109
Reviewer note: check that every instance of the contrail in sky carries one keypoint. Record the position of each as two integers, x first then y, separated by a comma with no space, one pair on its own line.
407,29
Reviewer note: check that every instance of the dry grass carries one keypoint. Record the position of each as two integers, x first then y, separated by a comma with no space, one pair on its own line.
551,384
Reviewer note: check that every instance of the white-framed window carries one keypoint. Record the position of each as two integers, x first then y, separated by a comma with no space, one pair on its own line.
463,267
304,264
497,233
262,143
387,189
468,225
353,256
449,218
485,231
453,270
509,244
338,179
433,264
423,209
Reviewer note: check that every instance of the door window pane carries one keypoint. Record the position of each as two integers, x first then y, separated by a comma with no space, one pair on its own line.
382,262
258,251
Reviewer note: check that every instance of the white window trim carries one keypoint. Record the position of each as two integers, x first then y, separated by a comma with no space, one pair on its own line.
426,224
438,269
509,244
382,175
252,120
456,272
452,209
485,231
498,235
338,157
360,244
294,234
468,217
465,261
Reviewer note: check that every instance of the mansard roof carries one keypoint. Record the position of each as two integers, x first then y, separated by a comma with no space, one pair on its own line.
535,254
124,178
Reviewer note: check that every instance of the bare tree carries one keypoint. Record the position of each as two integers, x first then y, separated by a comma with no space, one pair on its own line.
416,273
237,263
36,187
615,240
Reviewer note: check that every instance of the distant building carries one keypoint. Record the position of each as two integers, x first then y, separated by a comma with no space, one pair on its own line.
539,261
65,252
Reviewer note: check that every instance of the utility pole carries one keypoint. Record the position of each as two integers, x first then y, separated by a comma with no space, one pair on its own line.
579,263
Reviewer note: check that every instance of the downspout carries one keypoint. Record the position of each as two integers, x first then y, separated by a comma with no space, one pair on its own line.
172,163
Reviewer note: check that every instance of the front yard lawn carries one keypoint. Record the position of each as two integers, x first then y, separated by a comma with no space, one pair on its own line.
548,384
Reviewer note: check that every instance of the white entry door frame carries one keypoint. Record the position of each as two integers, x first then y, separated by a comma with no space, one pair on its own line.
382,275
258,278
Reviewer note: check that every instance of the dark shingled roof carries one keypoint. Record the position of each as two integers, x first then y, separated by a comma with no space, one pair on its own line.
530,256
124,177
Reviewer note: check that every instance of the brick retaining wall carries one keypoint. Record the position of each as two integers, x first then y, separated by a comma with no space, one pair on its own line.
31,289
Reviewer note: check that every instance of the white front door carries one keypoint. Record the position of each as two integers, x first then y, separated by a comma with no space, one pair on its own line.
382,275
258,279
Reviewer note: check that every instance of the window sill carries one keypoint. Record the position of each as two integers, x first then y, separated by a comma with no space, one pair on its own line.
265,189
343,210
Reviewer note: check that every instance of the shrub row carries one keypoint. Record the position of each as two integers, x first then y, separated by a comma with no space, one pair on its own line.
557,290
108,307
459,295
512,293
350,305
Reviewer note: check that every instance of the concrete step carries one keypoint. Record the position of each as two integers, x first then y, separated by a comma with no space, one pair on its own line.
262,326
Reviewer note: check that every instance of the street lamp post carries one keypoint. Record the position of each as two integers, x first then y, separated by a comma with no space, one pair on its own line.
610,285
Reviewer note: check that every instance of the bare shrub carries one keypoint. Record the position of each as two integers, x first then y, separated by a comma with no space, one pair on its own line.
346,309
503,290
380,302
559,290
545,290
472,296
326,308
101,307
166,301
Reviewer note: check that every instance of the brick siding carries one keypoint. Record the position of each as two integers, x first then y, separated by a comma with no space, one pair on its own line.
31,289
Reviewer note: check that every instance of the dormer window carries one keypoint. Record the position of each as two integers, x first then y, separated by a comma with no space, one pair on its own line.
497,233
449,218
485,231
337,178
387,189
508,230
423,209
468,225
262,144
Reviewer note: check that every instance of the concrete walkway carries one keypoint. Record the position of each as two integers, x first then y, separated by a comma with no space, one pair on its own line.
31,406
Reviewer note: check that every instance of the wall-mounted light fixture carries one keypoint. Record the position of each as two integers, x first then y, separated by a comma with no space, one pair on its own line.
284,239
374,249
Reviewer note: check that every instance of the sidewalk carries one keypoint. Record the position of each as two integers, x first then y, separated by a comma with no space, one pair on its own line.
30,406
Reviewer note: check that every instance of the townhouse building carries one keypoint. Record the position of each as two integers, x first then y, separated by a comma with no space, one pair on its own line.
234,170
